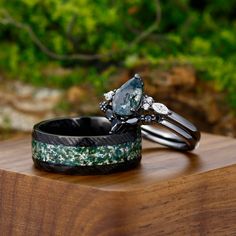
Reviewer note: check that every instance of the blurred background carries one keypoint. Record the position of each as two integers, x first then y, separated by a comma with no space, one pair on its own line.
58,57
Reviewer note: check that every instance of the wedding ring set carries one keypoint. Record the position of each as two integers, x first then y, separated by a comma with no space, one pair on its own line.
99,145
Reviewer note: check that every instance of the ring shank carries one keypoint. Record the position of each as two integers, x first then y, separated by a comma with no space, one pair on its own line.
181,134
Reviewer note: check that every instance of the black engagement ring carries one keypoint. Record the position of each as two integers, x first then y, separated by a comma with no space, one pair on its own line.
128,105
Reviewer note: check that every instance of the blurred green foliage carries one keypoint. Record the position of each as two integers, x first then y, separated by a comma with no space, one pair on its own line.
37,38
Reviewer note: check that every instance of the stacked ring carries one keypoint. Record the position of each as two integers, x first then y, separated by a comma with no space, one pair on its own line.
128,105
84,146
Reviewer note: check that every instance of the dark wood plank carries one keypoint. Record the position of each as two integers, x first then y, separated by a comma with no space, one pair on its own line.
158,163
171,193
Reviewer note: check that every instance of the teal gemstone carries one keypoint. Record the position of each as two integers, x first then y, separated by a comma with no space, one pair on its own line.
128,97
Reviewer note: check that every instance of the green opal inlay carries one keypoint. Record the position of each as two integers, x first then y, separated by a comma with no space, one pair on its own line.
86,156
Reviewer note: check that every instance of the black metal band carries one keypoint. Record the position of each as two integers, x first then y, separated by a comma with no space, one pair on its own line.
88,170
80,131
183,136
83,145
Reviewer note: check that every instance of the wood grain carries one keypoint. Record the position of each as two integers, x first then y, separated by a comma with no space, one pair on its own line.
171,193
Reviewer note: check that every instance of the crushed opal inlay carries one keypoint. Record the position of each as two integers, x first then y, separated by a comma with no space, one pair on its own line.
86,156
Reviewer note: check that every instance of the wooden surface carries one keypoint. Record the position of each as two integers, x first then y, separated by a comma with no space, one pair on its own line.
171,193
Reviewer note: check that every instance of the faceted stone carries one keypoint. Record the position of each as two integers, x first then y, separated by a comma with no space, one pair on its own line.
132,121
146,106
149,100
128,97
160,108
108,96
148,118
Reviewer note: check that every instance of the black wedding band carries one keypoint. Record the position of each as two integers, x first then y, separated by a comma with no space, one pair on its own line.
128,106
182,134
83,145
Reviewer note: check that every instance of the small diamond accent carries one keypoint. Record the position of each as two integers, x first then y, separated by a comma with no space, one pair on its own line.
160,108
108,96
149,100
146,106
148,118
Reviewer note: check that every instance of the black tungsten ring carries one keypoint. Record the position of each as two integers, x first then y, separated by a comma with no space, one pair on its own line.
83,145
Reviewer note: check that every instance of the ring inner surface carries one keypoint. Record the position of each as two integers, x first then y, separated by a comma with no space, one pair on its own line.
85,126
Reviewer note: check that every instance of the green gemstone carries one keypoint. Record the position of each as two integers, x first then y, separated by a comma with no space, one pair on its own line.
128,97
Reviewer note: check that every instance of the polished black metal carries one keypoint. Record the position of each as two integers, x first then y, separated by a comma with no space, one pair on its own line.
88,170
80,131
178,133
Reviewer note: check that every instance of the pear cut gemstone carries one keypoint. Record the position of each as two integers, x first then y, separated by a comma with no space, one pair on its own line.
128,97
